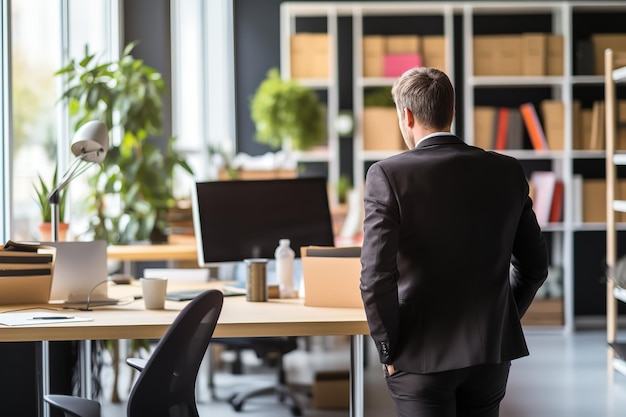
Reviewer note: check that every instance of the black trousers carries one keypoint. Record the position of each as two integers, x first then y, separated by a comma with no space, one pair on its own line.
469,392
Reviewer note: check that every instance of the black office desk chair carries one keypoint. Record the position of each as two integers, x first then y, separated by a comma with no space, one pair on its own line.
271,350
166,384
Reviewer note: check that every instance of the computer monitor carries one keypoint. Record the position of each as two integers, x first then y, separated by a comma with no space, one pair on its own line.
236,220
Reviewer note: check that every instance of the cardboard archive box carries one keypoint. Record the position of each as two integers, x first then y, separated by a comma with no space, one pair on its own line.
331,390
534,53
497,55
553,113
554,55
484,122
309,55
331,276
373,55
434,51
403,44
602,41
381,131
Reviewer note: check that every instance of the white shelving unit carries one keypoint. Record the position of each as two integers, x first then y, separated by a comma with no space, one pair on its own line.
562,16
288,14
560,86
614,72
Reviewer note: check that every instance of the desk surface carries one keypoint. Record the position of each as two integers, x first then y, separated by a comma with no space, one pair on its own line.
239,318
164,252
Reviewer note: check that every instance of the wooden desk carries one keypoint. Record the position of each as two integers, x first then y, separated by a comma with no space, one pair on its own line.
164,252
239,318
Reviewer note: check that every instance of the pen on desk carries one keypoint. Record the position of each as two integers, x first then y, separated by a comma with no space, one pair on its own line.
53,317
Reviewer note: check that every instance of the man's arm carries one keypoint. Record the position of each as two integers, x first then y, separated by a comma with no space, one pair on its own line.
379,273
529,261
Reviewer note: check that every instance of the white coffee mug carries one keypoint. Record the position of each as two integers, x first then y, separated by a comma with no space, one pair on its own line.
154,290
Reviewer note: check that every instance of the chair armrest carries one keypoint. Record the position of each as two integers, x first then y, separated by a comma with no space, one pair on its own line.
81,407
137,363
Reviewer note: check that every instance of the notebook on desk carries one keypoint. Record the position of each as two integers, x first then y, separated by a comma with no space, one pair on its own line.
80,273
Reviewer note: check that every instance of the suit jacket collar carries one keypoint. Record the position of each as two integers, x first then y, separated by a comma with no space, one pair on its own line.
440,140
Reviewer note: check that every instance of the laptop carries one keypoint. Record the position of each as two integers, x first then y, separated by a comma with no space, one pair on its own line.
80,273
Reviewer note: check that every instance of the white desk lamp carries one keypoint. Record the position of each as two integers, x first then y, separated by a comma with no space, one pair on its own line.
90,145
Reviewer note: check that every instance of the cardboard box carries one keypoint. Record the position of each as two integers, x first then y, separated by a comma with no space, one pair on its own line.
497,55
484,122
434,51
381,131
553,113
309,55
373,55
331,276
485,55
403,44
534,52
396,64
594,200
554,55
509,55
602,41
331,390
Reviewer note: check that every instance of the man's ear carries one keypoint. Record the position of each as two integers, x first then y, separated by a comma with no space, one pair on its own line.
409,120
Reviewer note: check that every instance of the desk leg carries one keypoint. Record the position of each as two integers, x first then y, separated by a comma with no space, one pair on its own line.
356,376
45,377
85,368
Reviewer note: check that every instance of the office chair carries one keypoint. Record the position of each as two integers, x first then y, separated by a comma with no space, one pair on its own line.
166,385
271,350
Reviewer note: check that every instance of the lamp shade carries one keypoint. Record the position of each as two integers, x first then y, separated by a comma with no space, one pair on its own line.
91,141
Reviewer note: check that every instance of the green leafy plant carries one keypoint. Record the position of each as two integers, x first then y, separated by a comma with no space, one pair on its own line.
378,97
284,110
343,186
127,96
42,192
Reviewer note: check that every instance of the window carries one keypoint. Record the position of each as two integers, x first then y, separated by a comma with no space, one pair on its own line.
41,30
203,81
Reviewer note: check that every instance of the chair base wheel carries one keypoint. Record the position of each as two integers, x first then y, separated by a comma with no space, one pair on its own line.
296,411
237,404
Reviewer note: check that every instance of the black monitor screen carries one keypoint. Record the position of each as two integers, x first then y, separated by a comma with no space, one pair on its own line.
236,220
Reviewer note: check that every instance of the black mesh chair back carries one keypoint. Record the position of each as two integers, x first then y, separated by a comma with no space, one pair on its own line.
166,386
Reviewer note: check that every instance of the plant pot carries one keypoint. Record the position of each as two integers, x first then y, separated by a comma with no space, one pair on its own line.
45,232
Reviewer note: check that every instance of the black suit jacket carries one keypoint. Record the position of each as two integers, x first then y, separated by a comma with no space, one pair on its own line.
452,256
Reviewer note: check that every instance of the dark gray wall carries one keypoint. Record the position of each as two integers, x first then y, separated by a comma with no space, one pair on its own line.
148,21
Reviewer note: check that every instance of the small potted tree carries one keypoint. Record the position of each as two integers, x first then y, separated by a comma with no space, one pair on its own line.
285,112
42,192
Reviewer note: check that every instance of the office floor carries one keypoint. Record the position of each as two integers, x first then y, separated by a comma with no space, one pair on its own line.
565,375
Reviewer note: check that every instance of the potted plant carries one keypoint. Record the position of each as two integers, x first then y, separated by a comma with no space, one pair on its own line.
42,192
136,175
133,189
284,111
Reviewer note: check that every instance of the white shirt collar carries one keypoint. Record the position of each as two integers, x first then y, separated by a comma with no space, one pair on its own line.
430,135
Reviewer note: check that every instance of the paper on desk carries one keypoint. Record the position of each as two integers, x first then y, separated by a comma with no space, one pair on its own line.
36,318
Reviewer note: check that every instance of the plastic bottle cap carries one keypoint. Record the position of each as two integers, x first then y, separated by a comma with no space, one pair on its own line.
284,241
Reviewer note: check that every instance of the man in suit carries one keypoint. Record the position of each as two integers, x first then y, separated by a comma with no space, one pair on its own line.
452,257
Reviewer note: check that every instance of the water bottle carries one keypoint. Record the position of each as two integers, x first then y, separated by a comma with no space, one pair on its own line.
284,256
